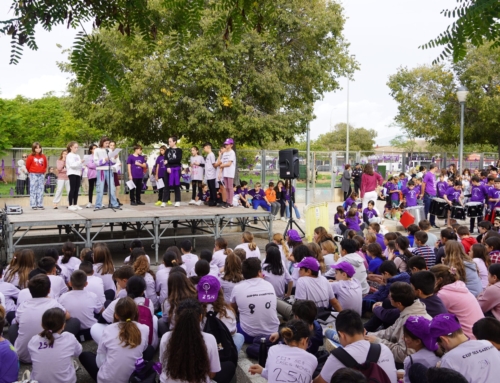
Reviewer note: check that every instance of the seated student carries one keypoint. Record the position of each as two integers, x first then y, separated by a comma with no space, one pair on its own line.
412,229
271,197
477,360
402,297
104,269
9,368
489,299
179,288
232,275
488,329
169,261
350,201
445,235
135,244
480,257
121,344
94,284
417,337
54,348
255,300
369,213
456,297
493,246
29,316
374,252
208,256
188,258
423,283
298,254
248,244
201,268
121,276
299,363
483,227
346,289
259,198
416,264
142,269
375,229
83,305
402,253
352,338
69,258
10,293
352,222
241,254
425,225
348,254
275,273
388,237
423,250
464,235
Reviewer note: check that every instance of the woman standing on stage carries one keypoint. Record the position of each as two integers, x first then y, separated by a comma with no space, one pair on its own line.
62,178
228,166
160,172
74,165
91,173
172,161
103,166
37,166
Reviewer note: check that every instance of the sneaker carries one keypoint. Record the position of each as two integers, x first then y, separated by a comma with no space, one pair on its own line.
169,202
158,203
34,208
78,207
192,202
97,208
283,219
89,205
133,203
163,204
199,203
177,204
224,205
141,203
72,208
41,208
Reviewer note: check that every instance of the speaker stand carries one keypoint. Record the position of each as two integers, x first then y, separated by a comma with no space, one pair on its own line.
291,221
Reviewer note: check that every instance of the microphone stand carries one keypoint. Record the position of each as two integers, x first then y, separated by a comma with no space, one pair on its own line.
291,221
109,181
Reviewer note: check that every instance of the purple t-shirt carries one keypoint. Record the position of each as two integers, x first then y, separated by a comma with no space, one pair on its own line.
442,186
257,195
380,240
9,368
349,202
161,166
135,169
418,188
430,183
478,193
336,219
403,182
204,196
495,194
352,223
453,195
390,187
411,196
370,213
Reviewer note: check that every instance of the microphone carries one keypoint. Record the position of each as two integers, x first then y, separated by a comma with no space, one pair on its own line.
107,151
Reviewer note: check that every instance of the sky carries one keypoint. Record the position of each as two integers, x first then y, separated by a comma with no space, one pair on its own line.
383,35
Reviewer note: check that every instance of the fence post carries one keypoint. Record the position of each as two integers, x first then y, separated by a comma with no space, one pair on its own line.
263,167
313,175
481,161
332,173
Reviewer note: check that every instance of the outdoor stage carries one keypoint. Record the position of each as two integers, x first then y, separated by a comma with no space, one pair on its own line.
35,228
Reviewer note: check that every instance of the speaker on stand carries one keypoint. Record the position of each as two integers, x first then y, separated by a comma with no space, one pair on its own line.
288,160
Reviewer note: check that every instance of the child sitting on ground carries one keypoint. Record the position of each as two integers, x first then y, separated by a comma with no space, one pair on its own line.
489,299
346,289
423,250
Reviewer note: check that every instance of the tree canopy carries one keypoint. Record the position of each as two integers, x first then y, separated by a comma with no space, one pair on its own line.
360,139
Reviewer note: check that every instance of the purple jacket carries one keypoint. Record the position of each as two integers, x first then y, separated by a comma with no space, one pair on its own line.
91,169
352,223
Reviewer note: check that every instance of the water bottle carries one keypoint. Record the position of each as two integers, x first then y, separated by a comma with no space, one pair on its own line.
263,352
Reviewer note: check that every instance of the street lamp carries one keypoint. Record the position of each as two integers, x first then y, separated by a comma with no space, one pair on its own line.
462,93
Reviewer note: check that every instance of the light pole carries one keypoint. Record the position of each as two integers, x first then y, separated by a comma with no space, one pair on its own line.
347,127
462,93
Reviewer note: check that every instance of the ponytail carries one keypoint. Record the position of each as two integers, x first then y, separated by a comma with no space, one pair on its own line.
126,313
248,238
295,330
52,322
278,237
68,251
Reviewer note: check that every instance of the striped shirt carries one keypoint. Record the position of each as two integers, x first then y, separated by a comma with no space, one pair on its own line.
427,253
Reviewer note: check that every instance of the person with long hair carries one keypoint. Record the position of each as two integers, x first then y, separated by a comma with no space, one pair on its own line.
172,161
466,269
346,181
62,178
232,275
104,268
456,297
248,244
179,289
189,355
403,254
142,269
281,198
91,172
122,343
103,164
68,257
318,254
290,200
169,261
74,166
160,172
54,348
489,298
369,182
197,163
321,235
36,165
301,365
329,251
282,245
21,264
221,251
276,274
480,257
374,251
178,254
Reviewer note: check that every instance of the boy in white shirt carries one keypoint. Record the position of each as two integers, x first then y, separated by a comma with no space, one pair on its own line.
83,305
94,284
57,285
188,258
255,299
346,289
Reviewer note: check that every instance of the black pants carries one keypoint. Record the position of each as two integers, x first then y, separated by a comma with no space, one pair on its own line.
357,187
21,186
347,193
74,185
283,208
160,194
88,360
92,182
72,326
213,192
226,373
196,186
473,221
135,194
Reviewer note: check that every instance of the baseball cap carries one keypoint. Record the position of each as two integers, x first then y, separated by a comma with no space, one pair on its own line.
294,235
208,289
229,141
308,263
420,327
442,325
346,267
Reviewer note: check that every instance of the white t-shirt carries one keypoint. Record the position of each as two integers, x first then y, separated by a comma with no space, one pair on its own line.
229,321
96,286
196,170
150,292
10,293
227,287
210,171
317,290
349,294
72,265
81,305
23,296
162,283
477,360
230,170
329,260
250,253
359,351
189,260
289,364
59,357
107,279
278,281
29,318
423,356
219,259
256,301
57,286
212,350
115,361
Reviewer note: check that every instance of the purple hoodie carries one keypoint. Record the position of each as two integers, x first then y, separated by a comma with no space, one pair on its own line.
352,223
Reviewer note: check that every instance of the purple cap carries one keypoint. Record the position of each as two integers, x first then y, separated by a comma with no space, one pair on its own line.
345,267
294,236
442,325
308,263
208,289
229,141
420,327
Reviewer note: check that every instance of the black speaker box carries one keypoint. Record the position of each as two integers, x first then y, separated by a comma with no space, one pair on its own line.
289,163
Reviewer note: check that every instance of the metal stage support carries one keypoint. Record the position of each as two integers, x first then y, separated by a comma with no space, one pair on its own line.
37,229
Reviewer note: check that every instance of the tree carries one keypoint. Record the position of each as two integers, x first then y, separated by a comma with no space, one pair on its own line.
407,143
258,90
9,121
360,139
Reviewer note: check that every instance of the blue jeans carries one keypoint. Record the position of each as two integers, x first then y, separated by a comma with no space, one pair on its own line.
102,176
238,340
297,214
260,202
427,206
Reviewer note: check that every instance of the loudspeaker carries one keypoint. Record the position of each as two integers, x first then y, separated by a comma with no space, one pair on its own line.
289,163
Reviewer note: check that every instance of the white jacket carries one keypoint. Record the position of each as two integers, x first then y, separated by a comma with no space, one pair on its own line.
74,164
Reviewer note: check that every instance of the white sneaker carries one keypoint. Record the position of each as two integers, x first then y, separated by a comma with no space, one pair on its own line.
89,205
283,218
301,220
163,204
192,202
177,204
72,208
78,207
198,203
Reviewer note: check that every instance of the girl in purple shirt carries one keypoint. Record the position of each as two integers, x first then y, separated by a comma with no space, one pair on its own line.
135,164
160,171
352,221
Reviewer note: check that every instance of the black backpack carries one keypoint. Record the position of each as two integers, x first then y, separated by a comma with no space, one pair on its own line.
225,344
373,372
146,375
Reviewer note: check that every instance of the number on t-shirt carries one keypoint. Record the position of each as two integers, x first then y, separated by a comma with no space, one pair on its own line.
44,345
290,377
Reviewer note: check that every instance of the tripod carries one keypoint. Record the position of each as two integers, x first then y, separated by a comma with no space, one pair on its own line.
291,221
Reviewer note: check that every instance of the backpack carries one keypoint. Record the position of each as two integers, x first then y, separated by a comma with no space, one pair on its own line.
146,375
370,369
225,344
146,318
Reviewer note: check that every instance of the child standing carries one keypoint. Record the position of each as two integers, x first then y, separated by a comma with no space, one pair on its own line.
54,348
478,194
228,165
74,165
410,194
135,166
454,197
493,199
197,164
441,186
62,178
36,166
173,160
210,173
160,172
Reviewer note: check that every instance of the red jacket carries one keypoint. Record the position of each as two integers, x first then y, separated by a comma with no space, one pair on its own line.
36,164
369,183
467,243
